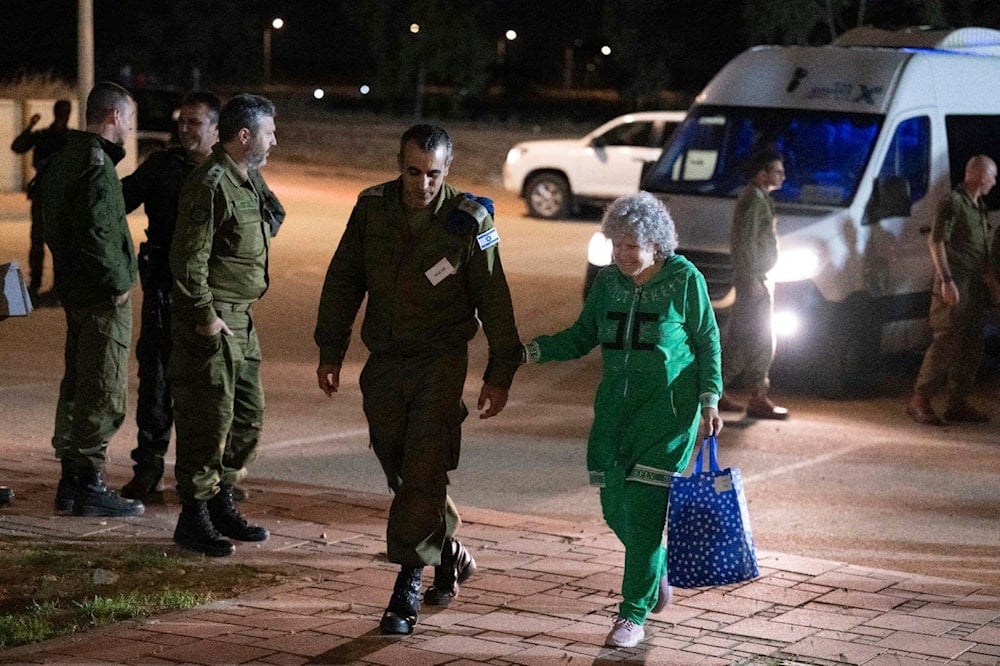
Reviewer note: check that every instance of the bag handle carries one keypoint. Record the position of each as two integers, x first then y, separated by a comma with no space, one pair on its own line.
712,444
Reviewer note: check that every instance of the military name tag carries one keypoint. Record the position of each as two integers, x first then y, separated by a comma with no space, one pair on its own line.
488,238
439,271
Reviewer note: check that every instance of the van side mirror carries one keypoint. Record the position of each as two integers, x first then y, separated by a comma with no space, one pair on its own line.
890,198
647,167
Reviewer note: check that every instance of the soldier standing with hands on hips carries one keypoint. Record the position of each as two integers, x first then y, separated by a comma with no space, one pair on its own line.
427,257
219,263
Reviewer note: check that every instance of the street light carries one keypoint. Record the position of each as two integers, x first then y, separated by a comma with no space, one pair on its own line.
276,24
508,36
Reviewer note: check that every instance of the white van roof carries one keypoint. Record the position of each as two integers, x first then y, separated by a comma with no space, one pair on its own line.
981,41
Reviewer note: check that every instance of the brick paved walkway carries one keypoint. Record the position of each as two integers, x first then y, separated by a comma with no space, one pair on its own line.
545,593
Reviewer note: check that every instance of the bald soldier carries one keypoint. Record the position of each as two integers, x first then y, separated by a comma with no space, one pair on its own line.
958,243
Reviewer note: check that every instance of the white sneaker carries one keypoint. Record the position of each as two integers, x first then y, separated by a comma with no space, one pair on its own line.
625,634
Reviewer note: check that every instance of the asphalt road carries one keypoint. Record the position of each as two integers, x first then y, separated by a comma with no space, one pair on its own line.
854,481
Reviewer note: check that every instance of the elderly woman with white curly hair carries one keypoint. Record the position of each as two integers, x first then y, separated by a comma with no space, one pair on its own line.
651,315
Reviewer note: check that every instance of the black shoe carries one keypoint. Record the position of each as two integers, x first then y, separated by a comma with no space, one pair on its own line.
66,490
404,605
6,496
231,522
94,498
145,488
195,531
457,566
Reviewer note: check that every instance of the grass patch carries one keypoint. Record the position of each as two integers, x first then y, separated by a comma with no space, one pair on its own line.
54,589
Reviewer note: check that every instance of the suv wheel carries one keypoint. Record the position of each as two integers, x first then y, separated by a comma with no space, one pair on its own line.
548,196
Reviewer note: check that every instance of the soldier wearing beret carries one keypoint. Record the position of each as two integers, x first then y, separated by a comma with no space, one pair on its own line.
218,260
83,213
427,257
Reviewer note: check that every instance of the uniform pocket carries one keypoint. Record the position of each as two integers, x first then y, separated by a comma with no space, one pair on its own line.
246,238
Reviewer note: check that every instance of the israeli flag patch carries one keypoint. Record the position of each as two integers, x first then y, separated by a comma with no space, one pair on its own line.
488,238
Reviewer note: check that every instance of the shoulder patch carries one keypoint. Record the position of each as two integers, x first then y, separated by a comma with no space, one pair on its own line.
488,238
96,156
199,214
213,175
473,208
373,191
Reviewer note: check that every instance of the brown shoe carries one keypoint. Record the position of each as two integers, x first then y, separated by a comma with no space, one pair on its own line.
727,404
759,407
920,410
965,413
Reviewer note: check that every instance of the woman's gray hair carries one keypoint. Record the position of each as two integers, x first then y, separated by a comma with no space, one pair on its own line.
641,217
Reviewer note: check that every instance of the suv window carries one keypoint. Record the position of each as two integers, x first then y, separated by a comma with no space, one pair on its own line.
638,133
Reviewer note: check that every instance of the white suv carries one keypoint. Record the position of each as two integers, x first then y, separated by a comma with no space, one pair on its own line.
555,176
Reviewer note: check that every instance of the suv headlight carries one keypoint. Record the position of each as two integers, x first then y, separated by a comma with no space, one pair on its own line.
599,250
514,155
795,264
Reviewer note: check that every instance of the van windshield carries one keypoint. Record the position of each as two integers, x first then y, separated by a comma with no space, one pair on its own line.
824,152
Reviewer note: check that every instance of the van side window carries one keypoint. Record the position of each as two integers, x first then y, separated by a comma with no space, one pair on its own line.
973,135
909,155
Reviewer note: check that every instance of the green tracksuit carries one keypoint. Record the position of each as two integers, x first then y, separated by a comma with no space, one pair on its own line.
429,285
660,349
83,212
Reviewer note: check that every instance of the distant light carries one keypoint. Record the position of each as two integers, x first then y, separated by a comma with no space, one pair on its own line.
606,50
365,89
278,23
318,93
784,324
511,35
414,28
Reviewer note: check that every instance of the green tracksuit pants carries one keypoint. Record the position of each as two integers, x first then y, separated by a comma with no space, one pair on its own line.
637,513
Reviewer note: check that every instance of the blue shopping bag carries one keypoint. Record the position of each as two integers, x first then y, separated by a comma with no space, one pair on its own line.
709,541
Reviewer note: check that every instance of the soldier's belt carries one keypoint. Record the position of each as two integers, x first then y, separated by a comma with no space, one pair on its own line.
232,307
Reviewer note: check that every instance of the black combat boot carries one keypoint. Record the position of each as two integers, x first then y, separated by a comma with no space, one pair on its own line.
94,498
145,487
404,605
195,531
229,521
457,566
66,490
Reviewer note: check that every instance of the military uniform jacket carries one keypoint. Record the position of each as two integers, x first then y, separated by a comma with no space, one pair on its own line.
84,221
754,241
157,184
426,292
220,246
963,226
661,354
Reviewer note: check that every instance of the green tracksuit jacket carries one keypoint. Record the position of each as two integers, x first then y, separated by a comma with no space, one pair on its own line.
660,349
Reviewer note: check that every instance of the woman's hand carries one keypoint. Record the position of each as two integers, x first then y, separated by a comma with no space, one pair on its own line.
711,422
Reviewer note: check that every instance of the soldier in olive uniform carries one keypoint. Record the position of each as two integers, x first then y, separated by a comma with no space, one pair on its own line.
45,143
85,228
218,259
157,185
426,255
958,244
748,342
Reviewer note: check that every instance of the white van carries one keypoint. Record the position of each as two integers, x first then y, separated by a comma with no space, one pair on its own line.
874,131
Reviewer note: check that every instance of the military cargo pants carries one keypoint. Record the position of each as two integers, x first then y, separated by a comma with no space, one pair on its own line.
415,412
952,360
748,343
154,414
94,386
218,403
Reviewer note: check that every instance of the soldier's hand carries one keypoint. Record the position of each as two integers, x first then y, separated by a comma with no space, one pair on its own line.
949,293
34,120
328,376
496,397
120,299
216,327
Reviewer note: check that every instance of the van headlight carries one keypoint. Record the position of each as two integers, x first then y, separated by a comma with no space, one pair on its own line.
795,264
599,250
